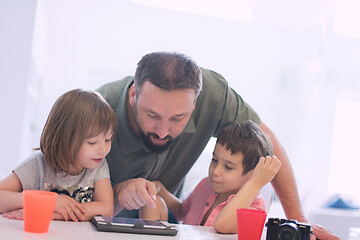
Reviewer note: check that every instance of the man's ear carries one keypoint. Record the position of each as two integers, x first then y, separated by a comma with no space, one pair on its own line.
132,95
194,104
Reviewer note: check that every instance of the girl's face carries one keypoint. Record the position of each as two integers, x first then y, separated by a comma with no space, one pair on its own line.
225,171
92,152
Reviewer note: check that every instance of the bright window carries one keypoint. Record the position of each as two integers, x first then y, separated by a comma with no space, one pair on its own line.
344,175
347,18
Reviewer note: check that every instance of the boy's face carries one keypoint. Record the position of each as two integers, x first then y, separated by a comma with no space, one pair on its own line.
226,171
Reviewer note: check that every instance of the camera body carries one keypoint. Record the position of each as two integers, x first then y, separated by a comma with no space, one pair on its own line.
284,229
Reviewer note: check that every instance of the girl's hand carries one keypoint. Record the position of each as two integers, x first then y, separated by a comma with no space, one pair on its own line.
15,214
57,216
266,169
18,214
69,208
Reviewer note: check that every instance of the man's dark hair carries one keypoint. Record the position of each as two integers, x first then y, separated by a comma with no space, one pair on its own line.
248,139
168,71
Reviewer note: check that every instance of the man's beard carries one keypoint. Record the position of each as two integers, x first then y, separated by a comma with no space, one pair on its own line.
146,138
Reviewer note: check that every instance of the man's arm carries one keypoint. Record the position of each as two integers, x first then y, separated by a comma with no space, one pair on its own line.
284,182
285,187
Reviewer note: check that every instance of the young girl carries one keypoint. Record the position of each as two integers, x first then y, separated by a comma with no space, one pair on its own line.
74,142
242,164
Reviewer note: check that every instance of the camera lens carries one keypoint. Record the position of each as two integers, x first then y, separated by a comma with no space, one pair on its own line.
288,231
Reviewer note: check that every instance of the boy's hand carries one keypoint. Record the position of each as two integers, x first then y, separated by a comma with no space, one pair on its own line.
69,208
266,169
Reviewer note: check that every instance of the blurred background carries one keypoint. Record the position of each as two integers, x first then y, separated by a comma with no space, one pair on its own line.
297,63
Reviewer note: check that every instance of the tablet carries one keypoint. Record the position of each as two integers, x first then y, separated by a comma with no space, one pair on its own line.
133,225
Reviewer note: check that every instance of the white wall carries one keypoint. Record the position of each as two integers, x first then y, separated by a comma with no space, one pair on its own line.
287,63
16,34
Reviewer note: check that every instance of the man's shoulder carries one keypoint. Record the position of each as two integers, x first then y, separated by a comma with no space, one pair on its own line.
214,87
213,78
214,84
111,91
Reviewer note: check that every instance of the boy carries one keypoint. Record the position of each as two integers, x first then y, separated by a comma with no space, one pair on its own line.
242,164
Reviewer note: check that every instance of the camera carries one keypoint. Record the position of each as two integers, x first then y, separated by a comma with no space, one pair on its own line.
284,229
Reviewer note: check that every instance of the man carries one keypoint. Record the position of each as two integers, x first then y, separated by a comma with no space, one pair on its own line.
166,115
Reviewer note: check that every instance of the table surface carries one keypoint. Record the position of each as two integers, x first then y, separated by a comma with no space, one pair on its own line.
14,229
354,233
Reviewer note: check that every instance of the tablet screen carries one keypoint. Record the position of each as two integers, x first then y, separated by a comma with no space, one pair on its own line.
130,222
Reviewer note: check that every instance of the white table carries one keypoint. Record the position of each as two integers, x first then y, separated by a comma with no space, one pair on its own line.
338,221
354,233
60,230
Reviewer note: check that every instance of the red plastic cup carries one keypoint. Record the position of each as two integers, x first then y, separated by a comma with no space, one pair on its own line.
250,223
38,210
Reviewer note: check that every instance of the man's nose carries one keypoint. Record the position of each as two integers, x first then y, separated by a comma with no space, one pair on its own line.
162,130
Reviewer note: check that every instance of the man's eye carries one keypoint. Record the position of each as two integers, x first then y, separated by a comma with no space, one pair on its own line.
108,140
178,119
153,116
214,160
228,168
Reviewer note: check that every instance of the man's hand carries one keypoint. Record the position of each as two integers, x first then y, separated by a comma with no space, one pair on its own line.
135,193
322,233
319,232
69,208
158,186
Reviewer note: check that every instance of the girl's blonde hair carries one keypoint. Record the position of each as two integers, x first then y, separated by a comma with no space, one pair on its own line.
75,116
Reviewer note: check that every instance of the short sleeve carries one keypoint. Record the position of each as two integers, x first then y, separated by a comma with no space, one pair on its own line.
30,172
258,203
222,102
196,197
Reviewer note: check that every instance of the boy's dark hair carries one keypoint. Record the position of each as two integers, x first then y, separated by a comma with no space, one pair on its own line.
248,139
168,71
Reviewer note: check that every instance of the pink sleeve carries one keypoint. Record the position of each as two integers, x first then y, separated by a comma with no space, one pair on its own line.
185,206
258,203
187,203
